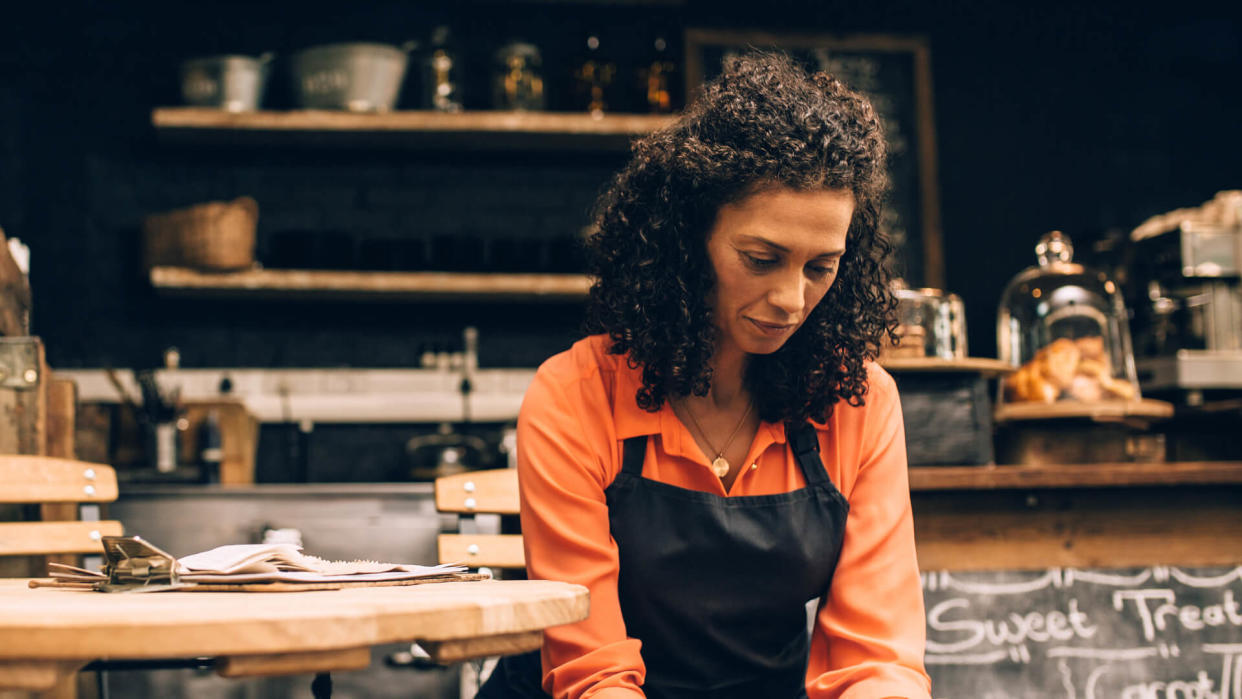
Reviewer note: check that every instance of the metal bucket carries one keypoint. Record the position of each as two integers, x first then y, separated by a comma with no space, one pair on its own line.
231,83
358,77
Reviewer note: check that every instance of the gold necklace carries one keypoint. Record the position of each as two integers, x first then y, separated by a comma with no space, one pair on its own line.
720,465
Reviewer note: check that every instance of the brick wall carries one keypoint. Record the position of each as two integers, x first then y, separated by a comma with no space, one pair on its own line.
1067,117
342,211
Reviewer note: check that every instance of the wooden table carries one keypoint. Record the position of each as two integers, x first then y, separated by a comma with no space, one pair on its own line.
49,634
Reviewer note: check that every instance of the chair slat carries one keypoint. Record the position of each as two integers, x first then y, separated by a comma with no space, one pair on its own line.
476,550
492,491
31,479
44,538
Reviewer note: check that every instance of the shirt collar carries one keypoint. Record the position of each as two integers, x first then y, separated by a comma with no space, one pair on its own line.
633,421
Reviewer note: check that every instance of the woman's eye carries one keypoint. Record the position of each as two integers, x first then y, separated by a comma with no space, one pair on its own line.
820,271
761,262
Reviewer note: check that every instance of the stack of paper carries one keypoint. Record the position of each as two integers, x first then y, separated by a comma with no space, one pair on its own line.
244,563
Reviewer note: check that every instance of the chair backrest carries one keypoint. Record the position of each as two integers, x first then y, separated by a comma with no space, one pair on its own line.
474,493
45,479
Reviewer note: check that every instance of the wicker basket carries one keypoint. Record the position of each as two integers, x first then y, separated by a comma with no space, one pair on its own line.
215,236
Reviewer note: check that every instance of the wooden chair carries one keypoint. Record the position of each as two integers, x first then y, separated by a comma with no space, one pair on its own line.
62,488
27,480
480,499
479,502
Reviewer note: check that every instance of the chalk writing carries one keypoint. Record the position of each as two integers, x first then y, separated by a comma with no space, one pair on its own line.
1152,633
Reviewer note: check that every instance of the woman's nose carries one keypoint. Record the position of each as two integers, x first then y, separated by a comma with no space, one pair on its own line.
788,294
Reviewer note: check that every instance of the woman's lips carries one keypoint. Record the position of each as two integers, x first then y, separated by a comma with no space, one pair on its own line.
773,329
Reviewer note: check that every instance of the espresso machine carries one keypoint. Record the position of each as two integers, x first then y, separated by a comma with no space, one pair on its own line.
1184,282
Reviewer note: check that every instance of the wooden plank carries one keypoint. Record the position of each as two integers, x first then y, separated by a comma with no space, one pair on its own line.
37,675
62,398
49,479
39,538
1189,526
494,491
23,418
356,285
294,663
92,431
1098,410
476,550
457,650
9,430
14,294
976,365
923,478
409,120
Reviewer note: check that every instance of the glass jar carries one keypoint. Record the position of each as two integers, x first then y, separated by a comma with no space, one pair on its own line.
517,79
931,323
1063,326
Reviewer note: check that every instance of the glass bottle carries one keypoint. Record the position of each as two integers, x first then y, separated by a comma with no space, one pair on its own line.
657,79
442,73
593,78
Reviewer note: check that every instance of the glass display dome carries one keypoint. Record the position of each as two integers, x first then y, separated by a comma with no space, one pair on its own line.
1063,326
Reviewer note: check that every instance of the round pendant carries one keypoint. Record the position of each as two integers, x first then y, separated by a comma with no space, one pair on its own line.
720,467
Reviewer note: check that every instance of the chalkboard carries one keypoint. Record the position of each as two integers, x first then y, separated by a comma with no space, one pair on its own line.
1151,633
895,73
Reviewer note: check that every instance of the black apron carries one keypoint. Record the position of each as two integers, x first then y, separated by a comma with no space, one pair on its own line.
715,587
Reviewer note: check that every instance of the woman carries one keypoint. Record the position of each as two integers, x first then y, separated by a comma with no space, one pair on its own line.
725,450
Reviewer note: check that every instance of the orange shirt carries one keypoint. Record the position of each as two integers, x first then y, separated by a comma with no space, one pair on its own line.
869,635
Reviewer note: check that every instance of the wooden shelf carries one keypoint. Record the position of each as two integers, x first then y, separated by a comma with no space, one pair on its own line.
351,285
974,365
422,129
1144,408
1103,475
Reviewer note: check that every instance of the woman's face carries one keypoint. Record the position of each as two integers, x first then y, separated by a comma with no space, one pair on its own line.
775,254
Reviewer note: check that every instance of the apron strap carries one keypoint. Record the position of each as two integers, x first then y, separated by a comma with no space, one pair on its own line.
633,453
805,445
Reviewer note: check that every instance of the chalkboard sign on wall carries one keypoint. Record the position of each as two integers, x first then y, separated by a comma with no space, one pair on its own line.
1152,633
895,73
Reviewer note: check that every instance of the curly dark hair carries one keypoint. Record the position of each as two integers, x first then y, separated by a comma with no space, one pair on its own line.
763,123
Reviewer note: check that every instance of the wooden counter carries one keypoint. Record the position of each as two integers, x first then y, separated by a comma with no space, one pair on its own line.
1081,515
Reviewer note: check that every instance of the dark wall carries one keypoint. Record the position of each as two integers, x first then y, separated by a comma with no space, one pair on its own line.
1047,116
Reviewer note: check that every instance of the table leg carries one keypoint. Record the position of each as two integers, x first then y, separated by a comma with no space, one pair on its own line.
321,686
38,675
454,650
294,663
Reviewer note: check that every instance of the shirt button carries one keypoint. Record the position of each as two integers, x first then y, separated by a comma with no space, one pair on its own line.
754,466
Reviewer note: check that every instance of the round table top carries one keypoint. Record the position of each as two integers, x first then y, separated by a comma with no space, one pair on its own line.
47,623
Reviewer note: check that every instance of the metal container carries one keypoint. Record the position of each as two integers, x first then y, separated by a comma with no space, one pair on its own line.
358,77
231,83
